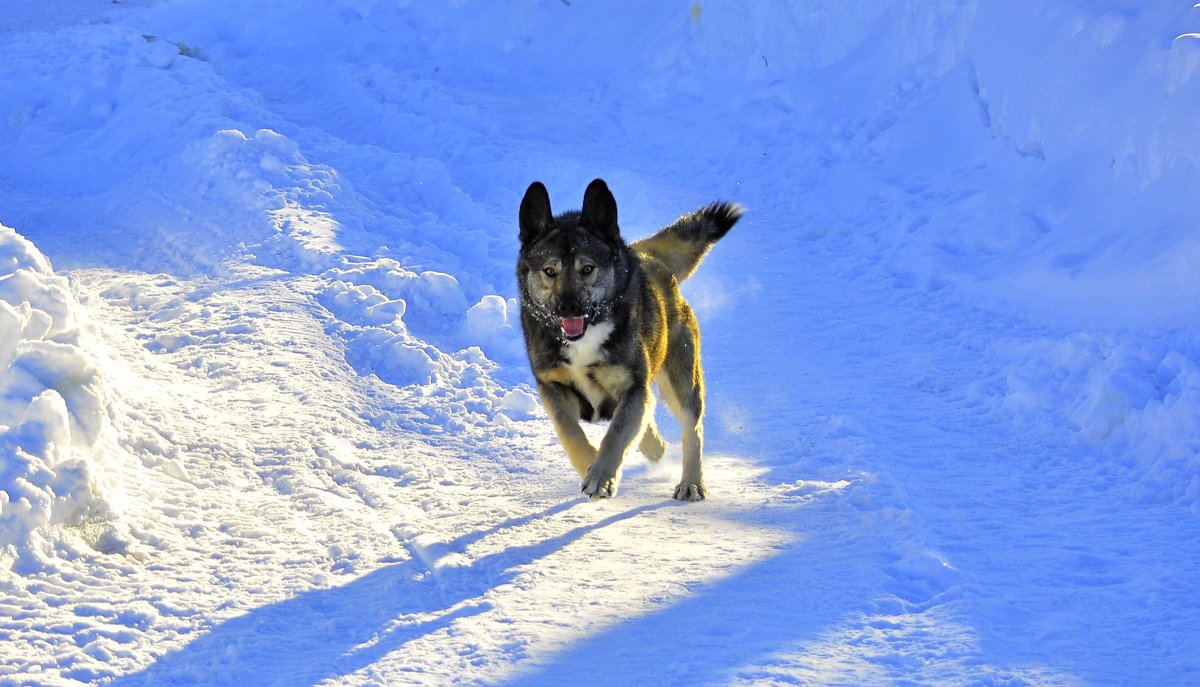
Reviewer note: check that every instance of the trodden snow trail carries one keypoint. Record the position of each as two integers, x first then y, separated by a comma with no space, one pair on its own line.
295,531
1051,569
877,547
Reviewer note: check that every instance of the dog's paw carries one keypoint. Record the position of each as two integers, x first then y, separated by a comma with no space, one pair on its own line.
690,491
652,446
599,484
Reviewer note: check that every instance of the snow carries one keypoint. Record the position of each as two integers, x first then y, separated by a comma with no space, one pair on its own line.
265,414
61,464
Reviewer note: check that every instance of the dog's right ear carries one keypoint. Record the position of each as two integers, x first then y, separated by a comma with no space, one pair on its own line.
535,212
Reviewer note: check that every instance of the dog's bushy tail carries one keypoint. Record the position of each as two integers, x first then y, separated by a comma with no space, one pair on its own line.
682,245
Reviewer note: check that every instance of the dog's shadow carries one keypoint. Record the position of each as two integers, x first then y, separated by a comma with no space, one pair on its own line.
335,631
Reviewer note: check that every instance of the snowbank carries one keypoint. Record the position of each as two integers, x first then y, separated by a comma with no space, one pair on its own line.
1136,402
56,440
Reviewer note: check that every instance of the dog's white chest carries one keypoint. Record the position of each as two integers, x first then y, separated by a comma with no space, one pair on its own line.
581,355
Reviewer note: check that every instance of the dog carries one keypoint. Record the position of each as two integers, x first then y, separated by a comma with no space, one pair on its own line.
603,319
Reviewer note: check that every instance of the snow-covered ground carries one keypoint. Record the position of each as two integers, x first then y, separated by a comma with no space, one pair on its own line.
265,417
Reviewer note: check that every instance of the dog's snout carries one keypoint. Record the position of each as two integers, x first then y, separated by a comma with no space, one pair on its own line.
570,305
572,311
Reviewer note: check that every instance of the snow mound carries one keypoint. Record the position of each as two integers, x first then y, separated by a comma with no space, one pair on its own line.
272,190
56,437
386,317
1132,401
394,301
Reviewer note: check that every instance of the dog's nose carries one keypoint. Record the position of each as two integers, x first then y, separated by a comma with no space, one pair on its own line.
569,306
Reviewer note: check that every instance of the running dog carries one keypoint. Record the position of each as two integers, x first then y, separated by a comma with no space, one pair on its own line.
603,319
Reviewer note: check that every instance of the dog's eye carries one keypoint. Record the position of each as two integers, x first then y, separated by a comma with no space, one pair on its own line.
587,269
550,272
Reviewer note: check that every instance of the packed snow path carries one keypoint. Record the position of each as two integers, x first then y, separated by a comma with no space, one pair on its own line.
278,418
896,535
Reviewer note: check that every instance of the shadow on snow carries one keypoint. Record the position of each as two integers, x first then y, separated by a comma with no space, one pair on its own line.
733,627
326,633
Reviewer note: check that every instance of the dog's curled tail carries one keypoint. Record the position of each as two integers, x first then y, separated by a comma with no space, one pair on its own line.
683,244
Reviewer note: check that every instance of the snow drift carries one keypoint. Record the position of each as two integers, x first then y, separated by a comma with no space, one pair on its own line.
61,464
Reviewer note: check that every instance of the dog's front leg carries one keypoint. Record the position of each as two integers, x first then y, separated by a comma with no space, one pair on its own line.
563,408
628,421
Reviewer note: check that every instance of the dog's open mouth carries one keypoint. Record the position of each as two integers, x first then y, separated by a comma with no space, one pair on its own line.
573,327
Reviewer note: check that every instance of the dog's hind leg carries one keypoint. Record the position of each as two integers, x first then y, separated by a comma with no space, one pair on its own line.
652,445
681,383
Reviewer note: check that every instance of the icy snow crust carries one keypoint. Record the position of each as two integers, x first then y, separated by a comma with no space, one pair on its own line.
267,419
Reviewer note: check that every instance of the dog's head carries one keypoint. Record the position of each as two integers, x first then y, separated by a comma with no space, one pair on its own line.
570,267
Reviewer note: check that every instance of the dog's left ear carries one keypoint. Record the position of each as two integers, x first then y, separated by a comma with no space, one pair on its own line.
600,208
535,212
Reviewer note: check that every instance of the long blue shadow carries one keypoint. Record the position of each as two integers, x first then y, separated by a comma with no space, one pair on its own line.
728,629
331,632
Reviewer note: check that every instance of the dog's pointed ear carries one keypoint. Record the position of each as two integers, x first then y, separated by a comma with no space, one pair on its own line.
535,212
600,208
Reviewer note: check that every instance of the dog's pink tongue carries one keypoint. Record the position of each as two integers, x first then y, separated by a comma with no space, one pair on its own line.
573,326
